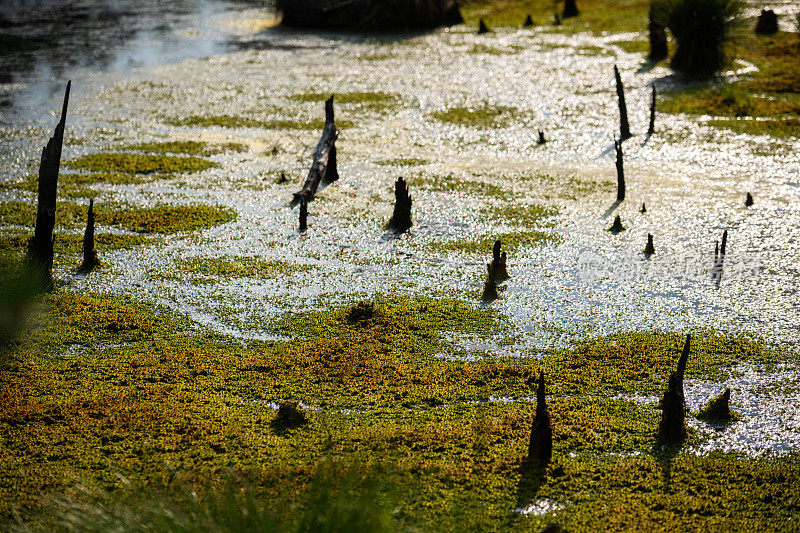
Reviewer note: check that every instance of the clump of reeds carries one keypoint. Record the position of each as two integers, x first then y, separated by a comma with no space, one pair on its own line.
702,29
382,15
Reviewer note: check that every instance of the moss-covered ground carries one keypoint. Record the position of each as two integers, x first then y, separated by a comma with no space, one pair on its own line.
105,392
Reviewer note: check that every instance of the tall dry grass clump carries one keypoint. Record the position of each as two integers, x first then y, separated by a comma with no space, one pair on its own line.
380,15
702,29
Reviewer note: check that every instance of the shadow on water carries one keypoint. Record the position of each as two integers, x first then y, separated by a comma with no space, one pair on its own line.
531,479
611,210
665,454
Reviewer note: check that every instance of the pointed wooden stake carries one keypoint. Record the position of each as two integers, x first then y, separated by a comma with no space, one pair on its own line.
90,260
652,127
401,218
748,201
528,22
620,171
649,249
498,264
540,445
40,247
617,226
482,27
718,409
672,428
624,127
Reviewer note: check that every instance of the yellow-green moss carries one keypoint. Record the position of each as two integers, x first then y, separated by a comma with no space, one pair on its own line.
156,219
522,215
227,121
376,101
72,243
484,116
781,128
139,163
511,241
404,162
187,147
173,413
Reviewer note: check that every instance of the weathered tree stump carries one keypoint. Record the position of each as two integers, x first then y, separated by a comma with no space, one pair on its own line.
490,285
541,140
90,260
748,201
651,129
718,409
482,27
658,38
620,171
401,218
624,127
303,226
289,416
767,22
323,165
540,445
528,22
498,264
649,249
643,210
281,179
672,428
40,247
570,9
617,226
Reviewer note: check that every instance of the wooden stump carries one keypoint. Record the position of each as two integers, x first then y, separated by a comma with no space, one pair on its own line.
643,210
718,409
401,217
649,249
767,22
303,226
541,140
90,260
672,428
482,27
617,226
570,9
540,445
40,247
323,165
528,22
624,127
748,201
498,264
490,285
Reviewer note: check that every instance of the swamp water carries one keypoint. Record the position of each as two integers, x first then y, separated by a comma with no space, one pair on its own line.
470,182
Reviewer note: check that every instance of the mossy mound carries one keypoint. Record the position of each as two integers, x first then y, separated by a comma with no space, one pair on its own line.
484,116
187,147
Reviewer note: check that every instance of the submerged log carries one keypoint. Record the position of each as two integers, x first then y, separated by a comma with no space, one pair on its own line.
323,166
381,15
540,445
90,260
528,22
490,285
617,226
652,127
401,218
748,201
649,249
624,127
303,215
672,428
570,9
620,171
498,264
658,38
482,27
40,247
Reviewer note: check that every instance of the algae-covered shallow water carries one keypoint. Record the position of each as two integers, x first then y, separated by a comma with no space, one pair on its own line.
457,115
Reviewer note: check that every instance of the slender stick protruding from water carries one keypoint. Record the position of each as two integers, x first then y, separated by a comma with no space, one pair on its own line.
620,172
90,259
672,428
40,247
652,127
624,127
719,258
303,214
541,140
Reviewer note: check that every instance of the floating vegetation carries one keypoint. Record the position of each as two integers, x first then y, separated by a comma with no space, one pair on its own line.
511,241
209,269
373,100
227,121
139,163
485,116
187,147
71,243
